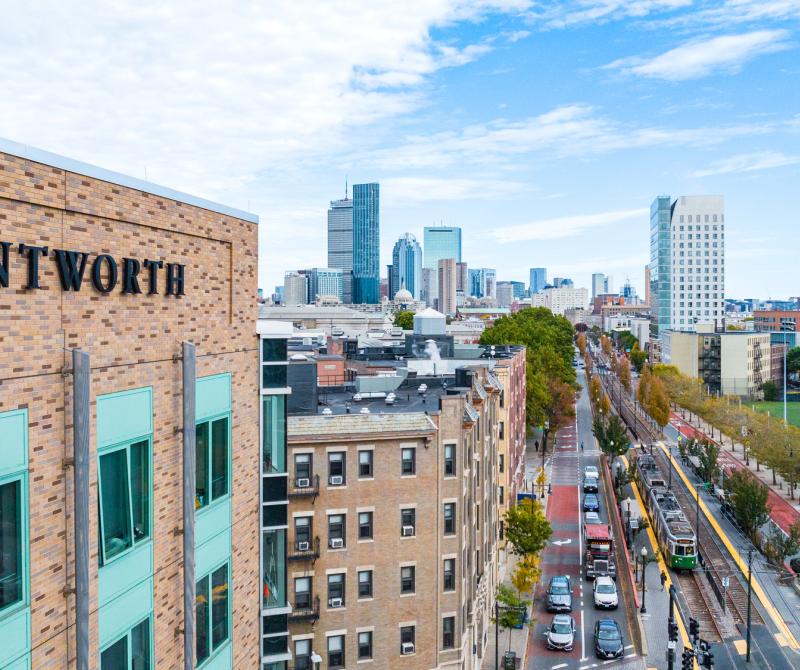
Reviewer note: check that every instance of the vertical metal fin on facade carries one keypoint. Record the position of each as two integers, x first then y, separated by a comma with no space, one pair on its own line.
80,446
189,436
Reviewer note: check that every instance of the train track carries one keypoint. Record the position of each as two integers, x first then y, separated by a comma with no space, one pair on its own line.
699,606
717,562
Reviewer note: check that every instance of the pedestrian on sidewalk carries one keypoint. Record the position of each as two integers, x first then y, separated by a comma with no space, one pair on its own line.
663,579
536,444
581,446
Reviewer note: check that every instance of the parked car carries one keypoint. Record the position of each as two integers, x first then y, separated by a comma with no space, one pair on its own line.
605,593
608,639
559,594
592,518
590,485
591,503
560,634
591,471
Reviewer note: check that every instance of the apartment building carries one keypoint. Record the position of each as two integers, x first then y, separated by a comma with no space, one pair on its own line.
393,527
776,321
129,443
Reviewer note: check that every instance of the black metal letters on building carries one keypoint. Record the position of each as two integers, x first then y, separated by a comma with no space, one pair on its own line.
104,273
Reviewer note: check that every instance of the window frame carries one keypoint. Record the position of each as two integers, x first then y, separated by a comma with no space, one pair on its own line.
20,476
308,593
214,651
452,632
303,522
370,582
106,451
343,661
450,461
448,575
404,461
342,581
368,656
367,526
452,520
343,461
228,484
412,579
343,524
412,511
371,457
127,635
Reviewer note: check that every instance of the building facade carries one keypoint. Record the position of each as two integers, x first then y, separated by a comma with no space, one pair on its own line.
441,242
462,278
406,268
392,536
447,286
325,282
558,300
538,280
776,321
295,288
340,243
687,262
129,422
505,294
366,243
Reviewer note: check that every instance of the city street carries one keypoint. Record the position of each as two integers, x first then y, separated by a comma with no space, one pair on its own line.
564,554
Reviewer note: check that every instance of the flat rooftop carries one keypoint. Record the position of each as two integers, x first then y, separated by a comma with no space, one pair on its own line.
409,399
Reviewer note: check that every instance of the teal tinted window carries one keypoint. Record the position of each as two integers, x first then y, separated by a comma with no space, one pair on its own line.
273,350
11,559
212,461
274,417
212,613
130,652
274,555
124,490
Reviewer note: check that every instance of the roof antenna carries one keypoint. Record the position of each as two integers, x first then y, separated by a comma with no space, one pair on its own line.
345,187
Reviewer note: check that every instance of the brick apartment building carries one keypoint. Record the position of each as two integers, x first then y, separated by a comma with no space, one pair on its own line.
393,527
126,369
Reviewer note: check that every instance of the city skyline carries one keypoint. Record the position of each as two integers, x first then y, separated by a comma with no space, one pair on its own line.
566,175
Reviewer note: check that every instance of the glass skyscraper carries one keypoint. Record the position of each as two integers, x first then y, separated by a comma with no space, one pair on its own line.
340,243
538,279
366,243
441,242
660,263
406,268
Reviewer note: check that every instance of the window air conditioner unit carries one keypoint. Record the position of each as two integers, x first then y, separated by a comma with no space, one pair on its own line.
337,480
407,648
408,531
303,483
303,546
335,602
337,543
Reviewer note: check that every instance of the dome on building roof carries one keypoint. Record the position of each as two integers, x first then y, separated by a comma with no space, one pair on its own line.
404,296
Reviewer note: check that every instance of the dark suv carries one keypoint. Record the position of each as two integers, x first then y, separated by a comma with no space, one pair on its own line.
590,485
559,594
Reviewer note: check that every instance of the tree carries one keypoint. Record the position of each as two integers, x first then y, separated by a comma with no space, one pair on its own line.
404,320
527,528
605,345
658,402
770,390
561,409
611,434
748,500
793,360
638,358
624,372
643,390
780,545
707,454
581,342
527,574
511,610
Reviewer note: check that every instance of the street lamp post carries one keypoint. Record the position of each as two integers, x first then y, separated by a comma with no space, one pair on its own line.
628,525
785,329
544,441
643,609
749,596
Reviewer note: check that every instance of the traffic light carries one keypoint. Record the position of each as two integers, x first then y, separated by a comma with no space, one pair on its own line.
686,659
672,627
694,628
705,657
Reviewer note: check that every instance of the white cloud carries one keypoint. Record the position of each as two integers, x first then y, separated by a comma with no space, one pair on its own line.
561,13
702,57
732,12
747,163
566,226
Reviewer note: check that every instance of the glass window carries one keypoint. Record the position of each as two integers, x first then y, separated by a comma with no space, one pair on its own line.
336,468
302,467
409,461
302,532
407,634
502,462
212,612
365,463
336,531
448,632
11,559
211,461
336,651
365,525
124,490
365,584
365,644
273,376
449,460
274,556
449,574
273,350
336,590
302,655
407,579
137,641
274,444
449,518
302,593
408,521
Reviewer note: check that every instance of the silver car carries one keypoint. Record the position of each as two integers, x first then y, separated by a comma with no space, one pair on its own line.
560,634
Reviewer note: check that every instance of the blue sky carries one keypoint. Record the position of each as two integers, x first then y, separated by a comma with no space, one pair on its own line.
544,129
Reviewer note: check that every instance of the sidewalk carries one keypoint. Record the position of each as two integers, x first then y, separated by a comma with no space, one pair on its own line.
519,637
784,511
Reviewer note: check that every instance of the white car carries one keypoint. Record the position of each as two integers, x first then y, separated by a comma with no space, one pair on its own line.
591,471
605,593
560,634
592,518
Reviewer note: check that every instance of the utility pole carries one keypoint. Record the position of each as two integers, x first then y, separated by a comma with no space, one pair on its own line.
672,629
496,634
749,597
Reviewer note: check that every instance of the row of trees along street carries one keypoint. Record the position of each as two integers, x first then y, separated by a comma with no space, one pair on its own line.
550,386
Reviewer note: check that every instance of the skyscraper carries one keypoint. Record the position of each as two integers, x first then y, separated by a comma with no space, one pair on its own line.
475,286
462,278
441,242
687,261
600,284
295,289
538,279
489,282
366,243
340,243
324,282
505,293
447,286
406,268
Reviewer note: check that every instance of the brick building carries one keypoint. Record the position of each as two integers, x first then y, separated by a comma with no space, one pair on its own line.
393,527
126,369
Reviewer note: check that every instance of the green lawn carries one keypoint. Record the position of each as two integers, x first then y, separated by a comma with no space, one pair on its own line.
776,409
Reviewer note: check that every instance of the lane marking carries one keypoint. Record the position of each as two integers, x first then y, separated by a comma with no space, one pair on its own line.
628,646
560,665
740,646
773,613
630,655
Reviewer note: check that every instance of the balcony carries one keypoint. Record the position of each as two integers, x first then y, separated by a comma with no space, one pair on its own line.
306,611
305,487
301,552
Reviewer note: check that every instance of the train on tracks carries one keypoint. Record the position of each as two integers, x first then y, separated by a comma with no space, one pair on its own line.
675,535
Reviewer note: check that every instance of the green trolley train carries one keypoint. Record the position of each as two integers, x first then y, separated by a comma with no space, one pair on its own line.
672,529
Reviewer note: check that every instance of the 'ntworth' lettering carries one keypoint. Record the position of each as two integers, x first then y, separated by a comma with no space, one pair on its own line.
105,273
